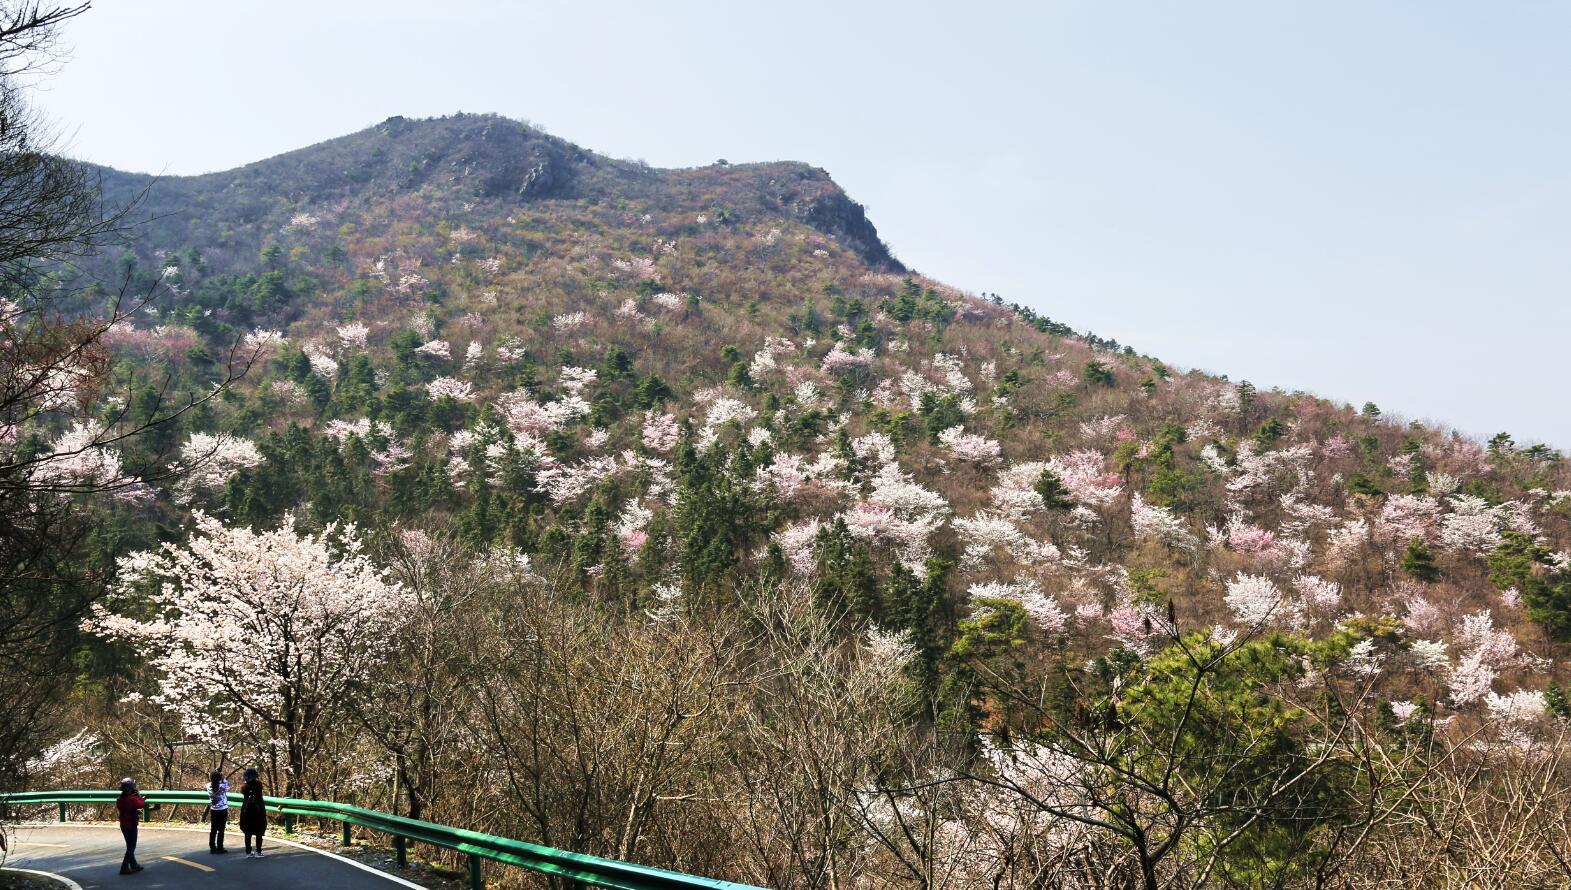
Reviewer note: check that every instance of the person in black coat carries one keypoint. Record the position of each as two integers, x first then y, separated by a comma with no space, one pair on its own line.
253,813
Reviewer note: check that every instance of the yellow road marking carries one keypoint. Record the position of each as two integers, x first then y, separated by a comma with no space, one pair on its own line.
196,865
41,844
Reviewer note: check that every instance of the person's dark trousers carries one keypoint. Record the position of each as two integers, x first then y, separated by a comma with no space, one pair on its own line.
215,832
129,862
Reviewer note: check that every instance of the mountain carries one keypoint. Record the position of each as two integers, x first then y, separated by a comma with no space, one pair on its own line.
675,393
481,251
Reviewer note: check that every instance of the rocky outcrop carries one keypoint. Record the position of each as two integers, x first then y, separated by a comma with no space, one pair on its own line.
836,214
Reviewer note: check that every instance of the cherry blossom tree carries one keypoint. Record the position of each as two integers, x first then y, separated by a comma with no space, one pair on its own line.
1471,527
1256,601
1082,473
1154,523
841,360
266,630
450,388
435,349
352,336
1244,537
785,475
569,321
575,379
1042,609
1406,517
660,432
985,532
970,448
322,362
797,542
207,461
899,511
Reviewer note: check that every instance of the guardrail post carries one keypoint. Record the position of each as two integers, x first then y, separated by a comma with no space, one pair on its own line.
402,846
147,812
62,811
476,882
348,841
289,823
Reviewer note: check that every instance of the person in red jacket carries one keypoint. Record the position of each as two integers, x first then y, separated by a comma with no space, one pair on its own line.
129,803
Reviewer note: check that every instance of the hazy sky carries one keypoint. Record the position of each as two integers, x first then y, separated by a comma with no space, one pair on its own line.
1370,201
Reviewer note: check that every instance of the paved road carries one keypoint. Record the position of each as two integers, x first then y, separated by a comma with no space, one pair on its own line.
177,859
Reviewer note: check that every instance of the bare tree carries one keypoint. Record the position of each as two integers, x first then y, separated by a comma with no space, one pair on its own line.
601,734
419,709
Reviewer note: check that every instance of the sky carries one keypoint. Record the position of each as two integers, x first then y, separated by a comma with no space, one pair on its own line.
1367,201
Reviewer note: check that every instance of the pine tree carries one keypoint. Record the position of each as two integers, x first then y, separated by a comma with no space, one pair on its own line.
773,569
1524,564
1556,701
476,527
832,550
589,545
1418,562
615,583
1052,491
1096,373
861,585
928,618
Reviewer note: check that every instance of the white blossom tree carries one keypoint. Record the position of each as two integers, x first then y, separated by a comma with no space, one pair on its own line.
207,461
265,630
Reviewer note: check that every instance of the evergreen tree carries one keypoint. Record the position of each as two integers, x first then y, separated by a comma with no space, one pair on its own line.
1096,373
1052,491
1418,562
832,552
1522,563
861,585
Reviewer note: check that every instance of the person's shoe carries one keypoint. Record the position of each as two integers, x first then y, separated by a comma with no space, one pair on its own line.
220,850
136,868
259,854
125,871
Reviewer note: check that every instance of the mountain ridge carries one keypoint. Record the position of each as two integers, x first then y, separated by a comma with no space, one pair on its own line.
487,156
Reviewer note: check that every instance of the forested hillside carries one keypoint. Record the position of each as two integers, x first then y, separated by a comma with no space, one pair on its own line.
665,515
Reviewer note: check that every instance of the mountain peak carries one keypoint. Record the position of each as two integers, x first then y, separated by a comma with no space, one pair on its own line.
487,157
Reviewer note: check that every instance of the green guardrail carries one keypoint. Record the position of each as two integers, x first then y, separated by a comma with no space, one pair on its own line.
592,870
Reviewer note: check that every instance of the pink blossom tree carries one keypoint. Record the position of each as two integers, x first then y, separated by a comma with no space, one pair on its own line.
450,388
840,360
660,432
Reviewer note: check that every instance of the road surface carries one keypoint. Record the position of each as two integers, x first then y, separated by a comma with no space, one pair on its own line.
177,859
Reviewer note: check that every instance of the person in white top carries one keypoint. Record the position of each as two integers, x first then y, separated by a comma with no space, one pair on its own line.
217,812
